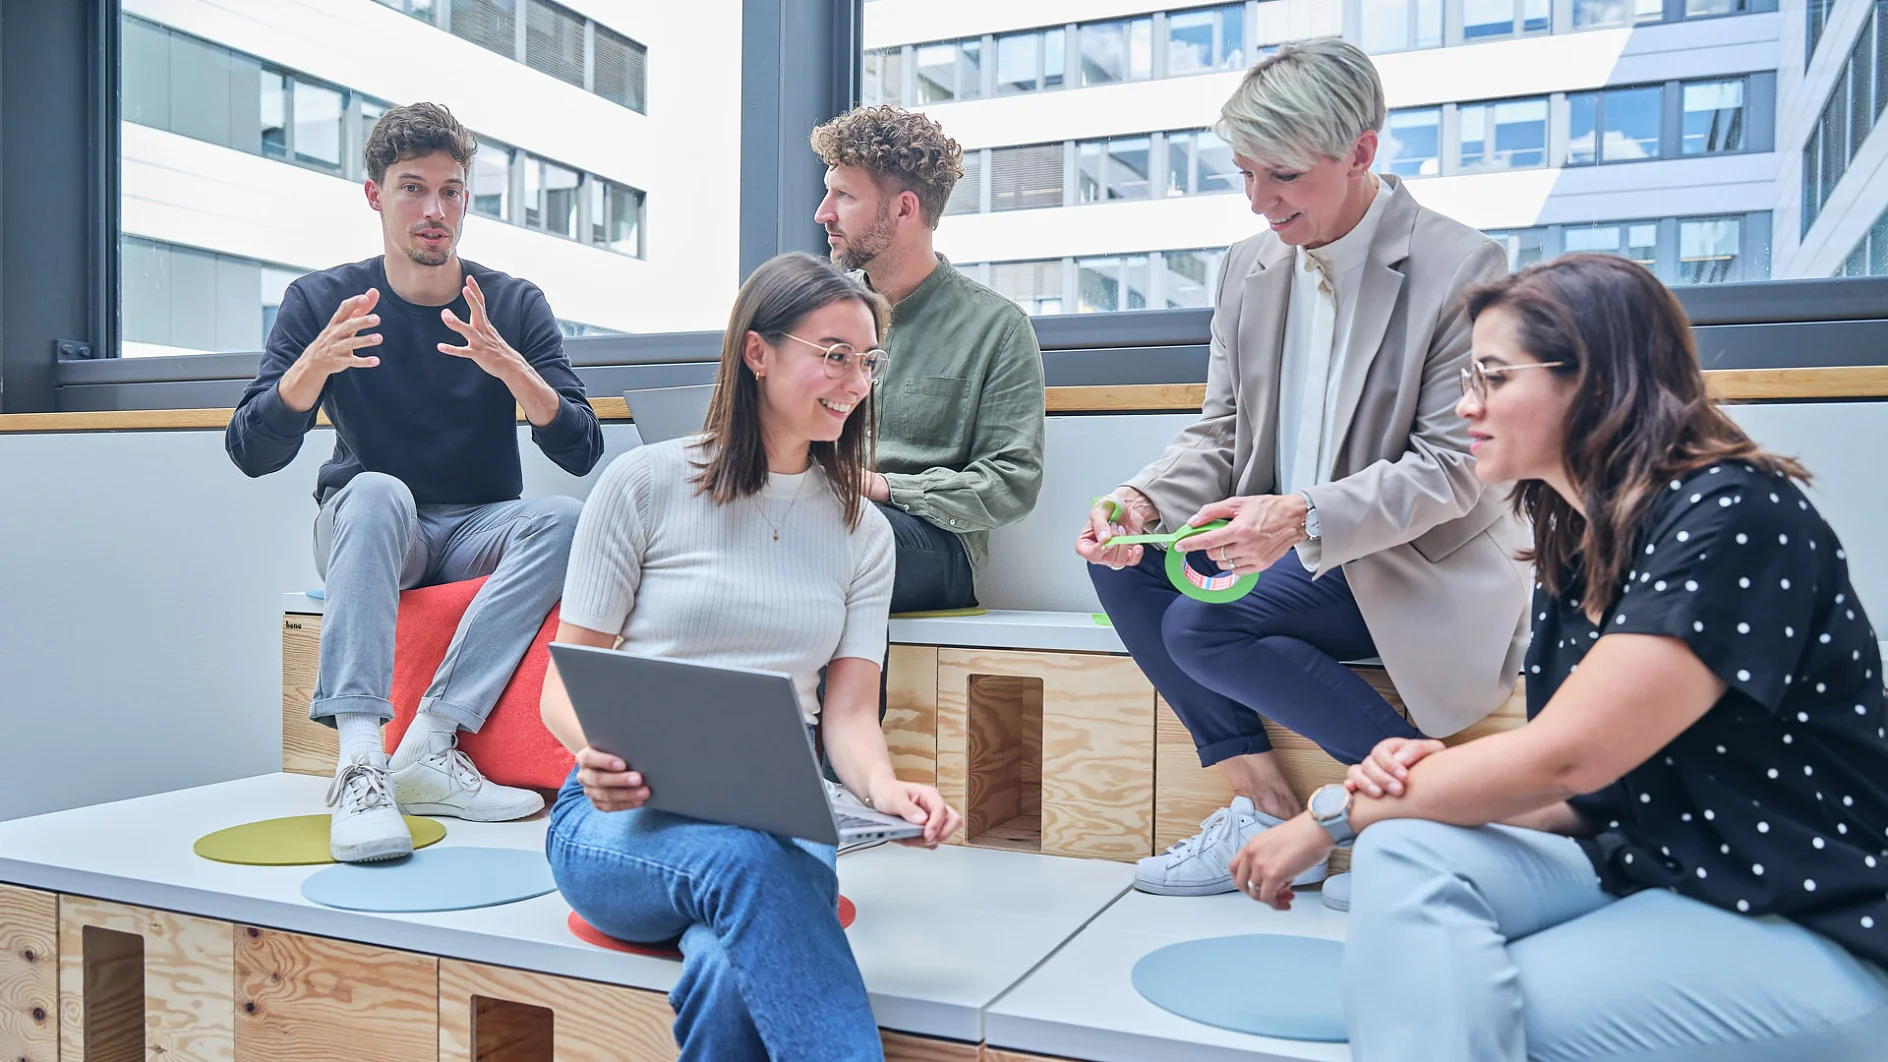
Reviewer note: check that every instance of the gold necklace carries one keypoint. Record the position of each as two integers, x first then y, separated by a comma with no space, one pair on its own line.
783,516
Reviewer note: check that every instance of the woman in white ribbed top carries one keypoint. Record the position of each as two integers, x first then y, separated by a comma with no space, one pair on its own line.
748,546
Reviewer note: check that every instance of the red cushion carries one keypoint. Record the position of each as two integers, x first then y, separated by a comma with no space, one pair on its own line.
513,748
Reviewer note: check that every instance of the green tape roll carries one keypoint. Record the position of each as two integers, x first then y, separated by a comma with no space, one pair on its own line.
1214,588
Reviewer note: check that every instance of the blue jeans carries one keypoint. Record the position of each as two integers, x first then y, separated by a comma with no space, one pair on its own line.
767,972
1273,653
1497,943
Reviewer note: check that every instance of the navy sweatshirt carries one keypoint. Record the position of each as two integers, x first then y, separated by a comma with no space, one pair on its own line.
434,421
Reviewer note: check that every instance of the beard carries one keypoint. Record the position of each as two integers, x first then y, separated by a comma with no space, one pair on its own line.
860,250
426,257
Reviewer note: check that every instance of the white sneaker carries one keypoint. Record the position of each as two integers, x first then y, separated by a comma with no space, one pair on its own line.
1201,864
444,782
367,823
1337,891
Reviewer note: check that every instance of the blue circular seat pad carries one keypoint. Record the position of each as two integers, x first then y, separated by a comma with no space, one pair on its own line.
448,878
1287,987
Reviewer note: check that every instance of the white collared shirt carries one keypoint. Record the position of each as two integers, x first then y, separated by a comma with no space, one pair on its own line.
1323,308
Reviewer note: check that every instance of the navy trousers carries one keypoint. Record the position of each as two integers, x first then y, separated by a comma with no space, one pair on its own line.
1273,653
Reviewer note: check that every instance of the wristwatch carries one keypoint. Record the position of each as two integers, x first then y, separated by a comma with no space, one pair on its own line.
1330,808
1312,531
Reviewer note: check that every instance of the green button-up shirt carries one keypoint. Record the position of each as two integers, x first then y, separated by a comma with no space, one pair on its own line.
960,411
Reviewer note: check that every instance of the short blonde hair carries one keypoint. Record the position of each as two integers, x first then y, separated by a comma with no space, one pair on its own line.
1308,100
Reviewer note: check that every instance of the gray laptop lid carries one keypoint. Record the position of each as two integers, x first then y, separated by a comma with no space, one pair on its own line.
664,413
721,744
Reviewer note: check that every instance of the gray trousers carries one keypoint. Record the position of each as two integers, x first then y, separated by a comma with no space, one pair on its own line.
372,541
1497,945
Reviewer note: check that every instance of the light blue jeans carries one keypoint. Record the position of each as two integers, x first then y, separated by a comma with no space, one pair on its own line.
1497,943
767,972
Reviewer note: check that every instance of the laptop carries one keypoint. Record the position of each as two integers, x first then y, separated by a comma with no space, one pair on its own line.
664,413
716,743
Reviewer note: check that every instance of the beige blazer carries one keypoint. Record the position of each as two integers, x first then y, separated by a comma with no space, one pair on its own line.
1428,551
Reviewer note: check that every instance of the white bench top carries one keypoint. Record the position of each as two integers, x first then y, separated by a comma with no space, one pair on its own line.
940,935
1069,632
1082,1003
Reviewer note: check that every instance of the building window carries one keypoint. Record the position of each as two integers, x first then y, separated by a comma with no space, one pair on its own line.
1708,250
1190,276
1030,62
1595,14
1411,144
274,109
1401,25
1488,19
620,68
553,41
1635,241
1112,169
1206,39
1035,286
615,216
1816,17
1713,117
182,300
1714,8
490,24
1617,125
1110,284
1024,178
1117,51
1200,163
1508,135
491,180
1861,89
882,77
949,71
967,193
1524,246
318,133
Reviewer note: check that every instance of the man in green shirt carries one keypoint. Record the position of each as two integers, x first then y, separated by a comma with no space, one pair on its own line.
960,410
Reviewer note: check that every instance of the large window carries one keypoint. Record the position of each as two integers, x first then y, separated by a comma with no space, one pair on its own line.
555,41
1488,19
1508,135
1113,169
1848,116
1025,178
1035,286
1691,250
950,71
1200,163
1524,246
1401,25
186,300
1617,125
1596,14
1030,62
1117,51
1713,117
1204,39
1411,143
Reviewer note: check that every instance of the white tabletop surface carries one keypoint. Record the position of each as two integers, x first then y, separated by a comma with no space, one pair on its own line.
940,935
1082,1003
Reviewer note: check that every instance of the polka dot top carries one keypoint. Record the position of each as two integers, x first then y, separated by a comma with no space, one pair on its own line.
1776,800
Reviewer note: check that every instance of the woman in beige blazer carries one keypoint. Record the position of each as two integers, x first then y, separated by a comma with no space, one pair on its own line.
1329,440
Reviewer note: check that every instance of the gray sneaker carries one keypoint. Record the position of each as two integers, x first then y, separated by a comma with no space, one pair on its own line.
366,825
444,782
1337,891
1201,864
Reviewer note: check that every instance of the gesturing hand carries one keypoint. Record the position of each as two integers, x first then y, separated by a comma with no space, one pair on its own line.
332,352
484,347
1260,529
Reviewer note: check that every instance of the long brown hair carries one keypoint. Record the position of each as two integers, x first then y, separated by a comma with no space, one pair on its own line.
784,289
1640,415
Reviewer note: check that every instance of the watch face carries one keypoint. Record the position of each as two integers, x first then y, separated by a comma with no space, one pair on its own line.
1327,801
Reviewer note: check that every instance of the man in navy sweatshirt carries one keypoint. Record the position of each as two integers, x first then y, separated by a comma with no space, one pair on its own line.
421,361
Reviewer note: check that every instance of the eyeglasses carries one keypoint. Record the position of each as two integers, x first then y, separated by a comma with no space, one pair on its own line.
838,359
1475,377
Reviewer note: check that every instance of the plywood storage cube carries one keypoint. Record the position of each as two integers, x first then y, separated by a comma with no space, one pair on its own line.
137,983
1047,752
497,1014
311,999
911,712
1186,793
29,975
308,747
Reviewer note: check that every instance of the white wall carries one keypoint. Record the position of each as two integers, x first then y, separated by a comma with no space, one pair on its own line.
141,578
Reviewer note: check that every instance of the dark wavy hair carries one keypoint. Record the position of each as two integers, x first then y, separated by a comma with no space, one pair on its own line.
902,147
1640,417
415,131
774,298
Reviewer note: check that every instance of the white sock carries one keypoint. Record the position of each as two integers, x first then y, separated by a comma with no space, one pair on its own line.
360,735
417,741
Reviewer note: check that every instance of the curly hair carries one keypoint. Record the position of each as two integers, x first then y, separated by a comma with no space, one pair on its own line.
414,131
896,145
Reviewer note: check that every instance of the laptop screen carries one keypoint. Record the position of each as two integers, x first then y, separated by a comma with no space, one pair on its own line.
664,413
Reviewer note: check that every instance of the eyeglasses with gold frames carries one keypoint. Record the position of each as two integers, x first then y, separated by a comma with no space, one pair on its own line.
839,358
1475,377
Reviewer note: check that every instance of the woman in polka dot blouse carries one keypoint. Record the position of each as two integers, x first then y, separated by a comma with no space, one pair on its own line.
1684,854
